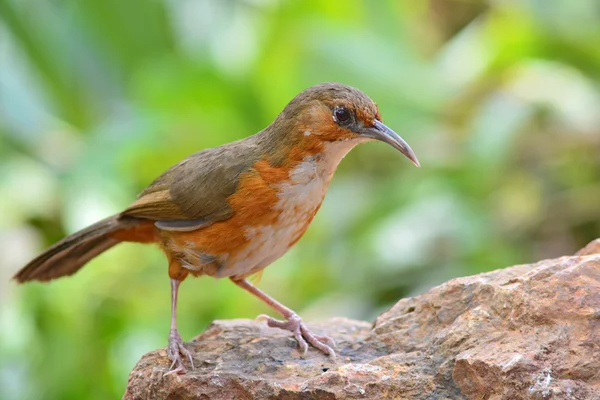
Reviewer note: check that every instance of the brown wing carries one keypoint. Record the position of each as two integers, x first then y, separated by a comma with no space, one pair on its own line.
194,192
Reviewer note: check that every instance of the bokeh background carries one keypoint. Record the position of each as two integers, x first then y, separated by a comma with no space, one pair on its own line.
500,99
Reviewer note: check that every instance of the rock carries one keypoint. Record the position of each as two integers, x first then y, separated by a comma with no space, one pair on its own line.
591,248
525,332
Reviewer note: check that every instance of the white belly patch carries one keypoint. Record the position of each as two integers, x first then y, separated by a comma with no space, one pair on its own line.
299,199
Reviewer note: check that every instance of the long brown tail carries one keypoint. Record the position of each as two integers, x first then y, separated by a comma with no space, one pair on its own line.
70,254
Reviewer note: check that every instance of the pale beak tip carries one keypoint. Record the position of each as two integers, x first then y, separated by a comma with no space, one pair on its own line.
413,157
381,132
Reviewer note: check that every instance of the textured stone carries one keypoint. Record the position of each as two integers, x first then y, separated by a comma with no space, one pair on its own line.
524,332
591,248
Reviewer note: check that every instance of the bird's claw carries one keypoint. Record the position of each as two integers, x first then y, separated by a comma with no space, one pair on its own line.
301,333
262,317
174,351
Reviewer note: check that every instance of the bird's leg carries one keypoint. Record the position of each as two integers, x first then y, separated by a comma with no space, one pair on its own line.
176,348
292,323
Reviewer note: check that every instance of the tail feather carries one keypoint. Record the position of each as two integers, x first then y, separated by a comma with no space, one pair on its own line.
73,252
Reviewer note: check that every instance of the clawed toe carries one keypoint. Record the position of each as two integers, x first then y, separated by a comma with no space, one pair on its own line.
293,322
262,317
317,341
175,350
301,342
176,371
302,335
327,339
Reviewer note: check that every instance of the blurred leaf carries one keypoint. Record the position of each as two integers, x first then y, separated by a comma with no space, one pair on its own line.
500,100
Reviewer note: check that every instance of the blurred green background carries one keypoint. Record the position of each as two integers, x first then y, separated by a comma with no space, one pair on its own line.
500,100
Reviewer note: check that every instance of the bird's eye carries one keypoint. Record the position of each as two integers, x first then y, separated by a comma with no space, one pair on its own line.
341,114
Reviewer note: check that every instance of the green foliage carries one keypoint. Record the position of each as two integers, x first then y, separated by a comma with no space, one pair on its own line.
500,100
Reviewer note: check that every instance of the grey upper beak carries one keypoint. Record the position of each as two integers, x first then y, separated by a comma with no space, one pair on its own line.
381,132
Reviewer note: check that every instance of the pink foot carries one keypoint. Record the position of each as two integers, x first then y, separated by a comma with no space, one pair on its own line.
295,325
174,351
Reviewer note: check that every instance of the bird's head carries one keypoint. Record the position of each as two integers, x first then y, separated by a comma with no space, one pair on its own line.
333,112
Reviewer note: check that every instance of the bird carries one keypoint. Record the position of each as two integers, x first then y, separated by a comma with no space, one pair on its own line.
230,211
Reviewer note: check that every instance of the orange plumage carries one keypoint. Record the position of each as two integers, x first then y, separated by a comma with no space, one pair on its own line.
233,210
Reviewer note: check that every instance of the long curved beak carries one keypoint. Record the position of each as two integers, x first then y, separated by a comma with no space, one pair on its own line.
384,134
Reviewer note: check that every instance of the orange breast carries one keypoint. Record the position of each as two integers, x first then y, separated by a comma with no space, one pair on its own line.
272,208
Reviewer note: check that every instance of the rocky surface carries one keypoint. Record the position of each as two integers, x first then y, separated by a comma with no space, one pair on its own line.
524,332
